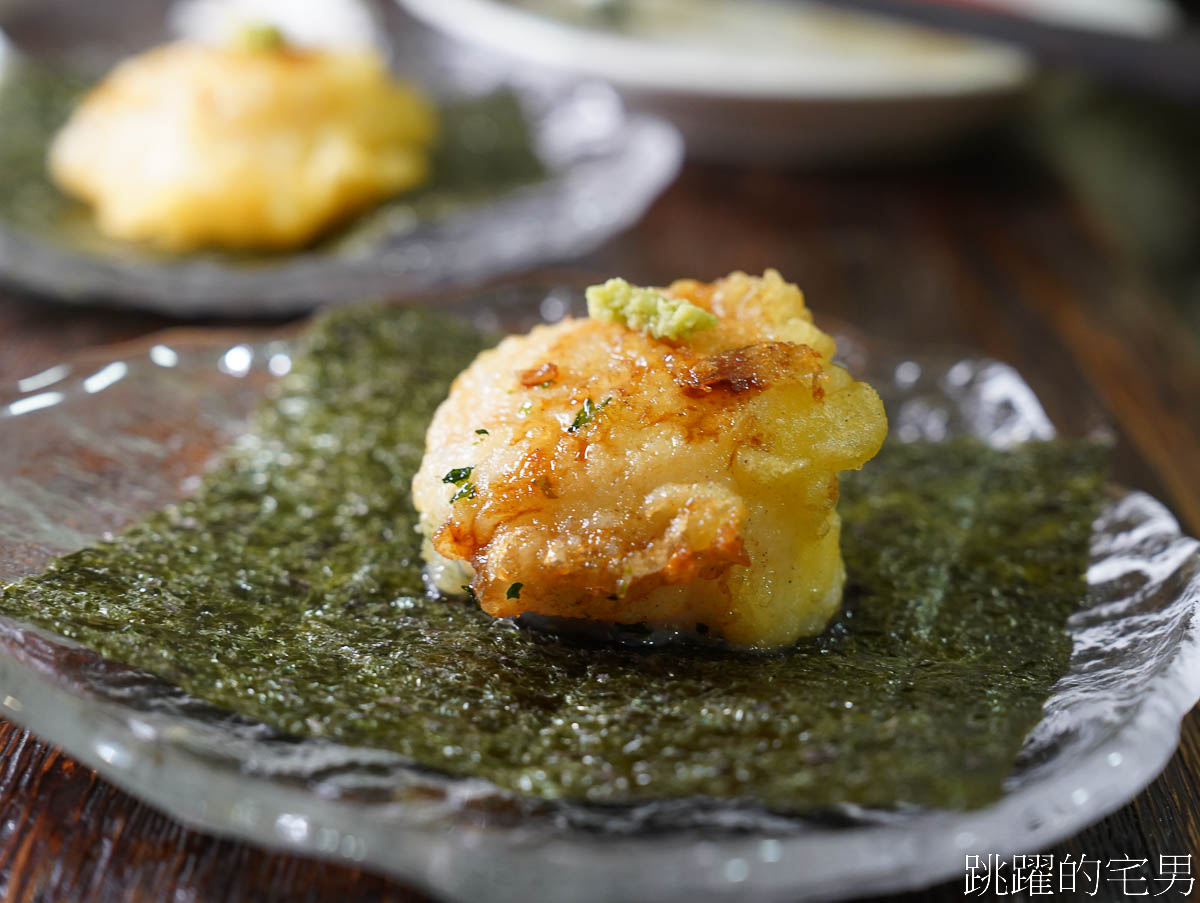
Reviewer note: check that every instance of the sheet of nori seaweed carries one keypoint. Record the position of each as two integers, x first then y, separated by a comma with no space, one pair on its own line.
289,589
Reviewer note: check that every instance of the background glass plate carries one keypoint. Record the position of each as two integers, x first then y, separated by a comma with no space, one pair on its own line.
603,168
92,444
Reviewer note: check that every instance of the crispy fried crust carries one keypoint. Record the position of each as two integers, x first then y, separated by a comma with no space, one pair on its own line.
751,368
186,146
623,478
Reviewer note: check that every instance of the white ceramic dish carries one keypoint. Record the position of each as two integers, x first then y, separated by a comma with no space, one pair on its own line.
801,86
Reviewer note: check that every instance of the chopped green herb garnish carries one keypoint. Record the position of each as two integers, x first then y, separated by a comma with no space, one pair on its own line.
514,591
458,475
465,491
623,584
587,414
482,433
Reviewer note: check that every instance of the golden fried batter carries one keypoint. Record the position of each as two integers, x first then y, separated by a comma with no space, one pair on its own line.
589,470
188,146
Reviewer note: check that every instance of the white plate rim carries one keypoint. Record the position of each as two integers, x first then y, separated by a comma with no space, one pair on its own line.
640,65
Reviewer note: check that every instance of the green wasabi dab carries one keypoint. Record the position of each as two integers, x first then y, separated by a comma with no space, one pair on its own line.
647,310
257,37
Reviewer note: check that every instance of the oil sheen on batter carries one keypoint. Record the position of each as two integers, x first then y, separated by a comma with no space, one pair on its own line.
672,460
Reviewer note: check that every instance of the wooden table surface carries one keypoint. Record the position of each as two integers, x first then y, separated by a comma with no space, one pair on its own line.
986,253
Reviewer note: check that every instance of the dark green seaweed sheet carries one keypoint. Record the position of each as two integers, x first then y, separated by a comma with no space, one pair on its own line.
289,590
486,149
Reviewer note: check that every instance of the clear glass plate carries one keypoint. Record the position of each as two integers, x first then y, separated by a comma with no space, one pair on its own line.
90,445
603,167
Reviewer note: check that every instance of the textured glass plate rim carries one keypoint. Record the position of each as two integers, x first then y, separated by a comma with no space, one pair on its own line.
482,862
617,186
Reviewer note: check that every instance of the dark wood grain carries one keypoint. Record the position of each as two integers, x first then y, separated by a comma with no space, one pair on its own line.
67,835
979,253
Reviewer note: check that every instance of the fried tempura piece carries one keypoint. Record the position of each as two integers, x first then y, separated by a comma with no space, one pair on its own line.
255,146
590,470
